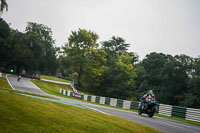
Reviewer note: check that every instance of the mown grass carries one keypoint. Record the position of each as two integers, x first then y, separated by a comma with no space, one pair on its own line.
4,74
52,88
4,84
54,78
24,114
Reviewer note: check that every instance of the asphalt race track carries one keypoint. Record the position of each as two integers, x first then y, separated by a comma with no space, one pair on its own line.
162,124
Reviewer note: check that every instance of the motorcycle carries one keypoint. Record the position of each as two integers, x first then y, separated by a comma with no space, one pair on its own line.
19,77
148,108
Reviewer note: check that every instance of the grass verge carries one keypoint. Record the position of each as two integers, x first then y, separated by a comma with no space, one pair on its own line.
4,74
4,84
54,78
24,114
51,88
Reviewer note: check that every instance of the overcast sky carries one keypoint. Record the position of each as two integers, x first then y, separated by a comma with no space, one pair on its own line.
167,26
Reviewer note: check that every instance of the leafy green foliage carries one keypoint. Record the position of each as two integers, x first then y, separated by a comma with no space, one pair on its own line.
85,59
4,42
174,80
39,38
20,52
32,51
119,77
116,44
193,92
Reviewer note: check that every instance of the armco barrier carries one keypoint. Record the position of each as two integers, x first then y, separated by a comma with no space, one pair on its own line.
89,98
126,104
113,102
102,100
179,111
93,99
163,109
193,114
97,100
120,103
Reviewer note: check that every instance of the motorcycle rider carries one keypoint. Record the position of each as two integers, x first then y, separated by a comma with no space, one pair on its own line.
147,98
19,77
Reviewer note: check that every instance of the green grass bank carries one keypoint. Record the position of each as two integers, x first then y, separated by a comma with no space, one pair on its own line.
25,114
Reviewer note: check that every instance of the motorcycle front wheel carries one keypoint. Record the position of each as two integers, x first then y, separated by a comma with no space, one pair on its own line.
151,112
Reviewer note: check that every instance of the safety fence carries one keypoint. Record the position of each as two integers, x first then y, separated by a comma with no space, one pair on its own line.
163,109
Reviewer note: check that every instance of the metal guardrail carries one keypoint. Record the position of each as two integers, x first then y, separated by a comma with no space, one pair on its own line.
163,109
193,114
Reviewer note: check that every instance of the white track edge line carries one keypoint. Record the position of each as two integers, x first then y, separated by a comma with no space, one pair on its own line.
9,81
98,110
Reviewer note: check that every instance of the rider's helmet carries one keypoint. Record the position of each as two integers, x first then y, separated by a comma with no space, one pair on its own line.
150,92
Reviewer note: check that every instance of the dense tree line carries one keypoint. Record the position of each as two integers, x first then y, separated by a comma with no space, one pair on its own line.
32,51
175,80
105,68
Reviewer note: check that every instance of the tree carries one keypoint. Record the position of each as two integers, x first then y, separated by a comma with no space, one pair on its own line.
191,97
116,44
85,59
153,64
3,5
20,52
149,73
135,58
174,82
5,33
74,77
141,82
40,40
119,79
93,72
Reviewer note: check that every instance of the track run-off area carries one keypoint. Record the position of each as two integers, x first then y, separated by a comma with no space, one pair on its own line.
162,124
